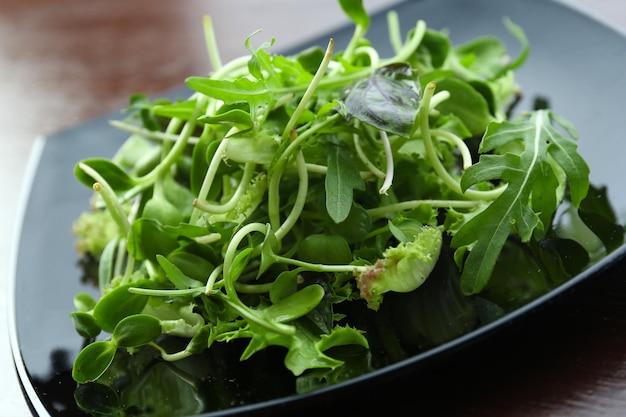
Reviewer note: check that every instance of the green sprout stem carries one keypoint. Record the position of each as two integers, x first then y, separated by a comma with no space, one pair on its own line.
357,35
102,187
210,283
395,36
179,146
253,288
209,177
149,134
409,47
431,153
304,101
171,357
276,173
189,292
243,185
412,204
298,205
363,158
320,267
256,317
231,250
323,169
211,43
388,162
466,155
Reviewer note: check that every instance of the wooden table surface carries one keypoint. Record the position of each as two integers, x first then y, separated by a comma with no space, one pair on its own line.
65,62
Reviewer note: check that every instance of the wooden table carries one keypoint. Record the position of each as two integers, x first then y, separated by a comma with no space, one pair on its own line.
64,62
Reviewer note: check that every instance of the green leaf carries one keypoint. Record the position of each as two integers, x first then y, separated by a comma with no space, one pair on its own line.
268,249
310,59
342,178
182,110
141,103
520,35
177,316
85,324
239,264
93,361
195,265
541,139
118,304
158,208
179,196
465,103
342,336
354,227
433,50
295,305
106,265
112,173
356,12
241,90
529,175
611,234
484,56
149,238
260,63
176,276
322,248
596,212
84,302
133,152
235,117
136,330
284,285
251,146
293,72
302,350
200,340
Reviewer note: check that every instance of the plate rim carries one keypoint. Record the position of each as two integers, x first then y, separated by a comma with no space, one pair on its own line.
37,406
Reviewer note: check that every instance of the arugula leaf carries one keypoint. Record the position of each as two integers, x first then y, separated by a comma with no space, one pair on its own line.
342,179
530,198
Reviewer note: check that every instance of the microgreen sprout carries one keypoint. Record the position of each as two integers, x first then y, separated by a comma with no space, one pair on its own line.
286,187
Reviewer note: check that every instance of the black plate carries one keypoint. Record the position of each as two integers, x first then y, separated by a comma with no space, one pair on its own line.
575,61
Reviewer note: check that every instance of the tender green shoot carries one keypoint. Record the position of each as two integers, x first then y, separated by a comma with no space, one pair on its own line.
287,187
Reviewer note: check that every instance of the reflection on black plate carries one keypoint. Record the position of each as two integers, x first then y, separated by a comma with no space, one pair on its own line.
565,47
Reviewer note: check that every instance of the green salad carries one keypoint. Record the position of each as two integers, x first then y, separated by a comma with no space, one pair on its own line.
331,205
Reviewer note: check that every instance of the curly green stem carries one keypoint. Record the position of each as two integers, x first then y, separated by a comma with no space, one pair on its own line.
243,185
431,152
412,204
298,205
304,101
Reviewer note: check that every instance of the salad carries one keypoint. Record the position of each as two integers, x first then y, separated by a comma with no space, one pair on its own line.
338,209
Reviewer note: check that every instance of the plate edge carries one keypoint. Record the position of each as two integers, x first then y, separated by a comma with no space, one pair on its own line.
592,14
30,395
